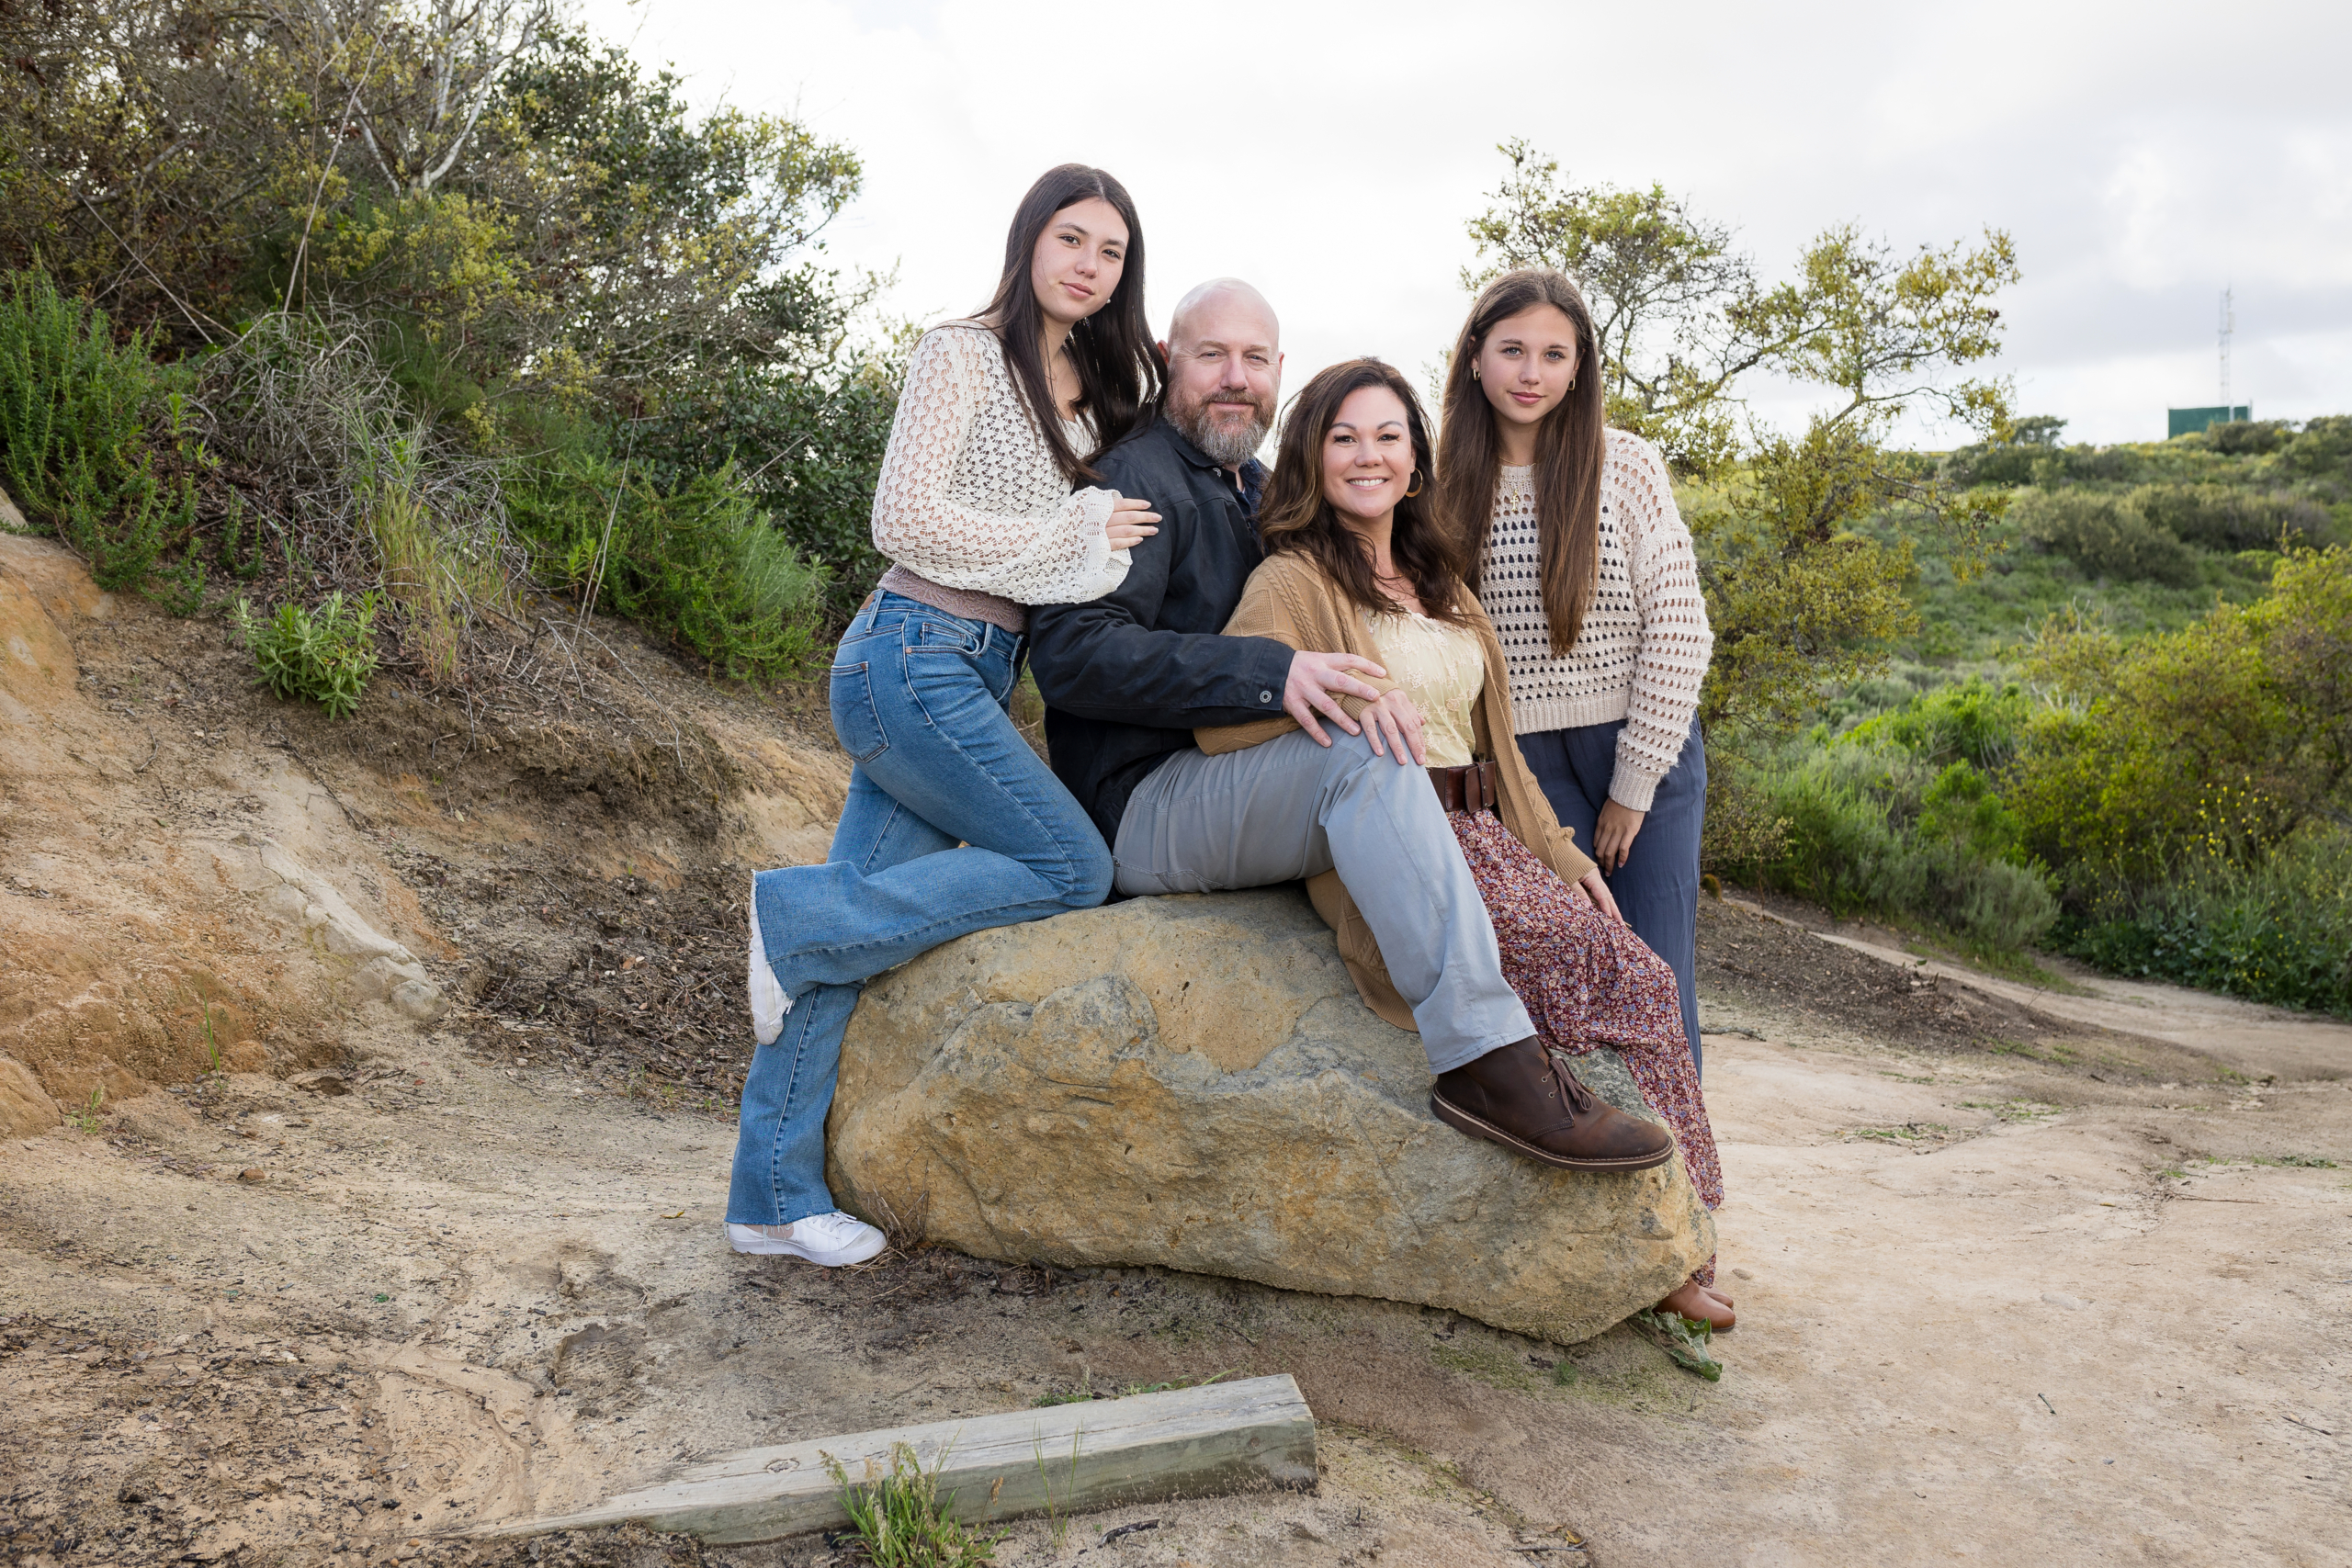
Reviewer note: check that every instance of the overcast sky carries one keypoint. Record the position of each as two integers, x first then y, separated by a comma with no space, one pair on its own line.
2142,156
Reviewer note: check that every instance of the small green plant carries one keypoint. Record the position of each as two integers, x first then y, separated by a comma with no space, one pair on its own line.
211,1046
181,589
239,555
1057,1514
1685,1340
88,1117
903,1522
323,656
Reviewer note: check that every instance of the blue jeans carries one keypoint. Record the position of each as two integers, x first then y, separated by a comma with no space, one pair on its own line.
920,704
1657,887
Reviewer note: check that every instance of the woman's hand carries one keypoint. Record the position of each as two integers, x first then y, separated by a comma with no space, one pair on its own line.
1393,715
1596,892
1612,835
1130,522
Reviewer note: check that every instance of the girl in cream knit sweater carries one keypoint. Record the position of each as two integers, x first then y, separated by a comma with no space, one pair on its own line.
1587,570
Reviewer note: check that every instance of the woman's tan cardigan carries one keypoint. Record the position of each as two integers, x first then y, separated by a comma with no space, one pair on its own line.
1290,600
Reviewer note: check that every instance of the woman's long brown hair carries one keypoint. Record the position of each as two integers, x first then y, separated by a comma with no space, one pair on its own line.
1119,367
1295,515
1569,452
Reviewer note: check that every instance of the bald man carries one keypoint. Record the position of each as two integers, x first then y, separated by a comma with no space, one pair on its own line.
1128,677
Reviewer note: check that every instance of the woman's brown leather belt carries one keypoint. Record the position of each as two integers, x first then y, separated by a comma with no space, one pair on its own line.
1470,787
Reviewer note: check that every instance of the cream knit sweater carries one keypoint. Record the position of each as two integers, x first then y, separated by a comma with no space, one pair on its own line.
1643,648
969,495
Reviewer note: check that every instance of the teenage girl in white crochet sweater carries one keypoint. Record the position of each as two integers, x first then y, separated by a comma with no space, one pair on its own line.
952,824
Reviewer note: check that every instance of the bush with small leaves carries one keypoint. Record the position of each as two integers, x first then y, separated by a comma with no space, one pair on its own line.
323,656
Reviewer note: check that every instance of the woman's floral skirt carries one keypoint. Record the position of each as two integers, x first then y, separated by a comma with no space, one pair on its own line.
1587,981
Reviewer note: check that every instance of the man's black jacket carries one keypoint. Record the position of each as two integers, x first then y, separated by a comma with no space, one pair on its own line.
1126,677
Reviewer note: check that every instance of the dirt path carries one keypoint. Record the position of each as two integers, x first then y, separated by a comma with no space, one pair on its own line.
1983,1300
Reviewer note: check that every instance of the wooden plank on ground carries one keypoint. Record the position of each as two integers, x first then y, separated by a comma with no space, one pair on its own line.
1148,1448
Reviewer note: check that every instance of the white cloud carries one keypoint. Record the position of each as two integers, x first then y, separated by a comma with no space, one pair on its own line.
2142,156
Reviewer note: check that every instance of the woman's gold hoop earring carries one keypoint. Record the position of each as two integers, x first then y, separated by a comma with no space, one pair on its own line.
1572,383
1416,487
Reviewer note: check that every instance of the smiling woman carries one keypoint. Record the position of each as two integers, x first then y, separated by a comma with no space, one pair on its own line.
953,823
1359,562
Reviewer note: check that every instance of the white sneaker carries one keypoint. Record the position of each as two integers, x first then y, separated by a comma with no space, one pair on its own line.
831,1240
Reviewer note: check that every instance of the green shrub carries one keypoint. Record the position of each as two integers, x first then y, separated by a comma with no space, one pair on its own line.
2229,517
2248,437
2106,536
2278,932
2324,450
2213,742
1972,721
807,448
698,563
76,409
323,656
1871,829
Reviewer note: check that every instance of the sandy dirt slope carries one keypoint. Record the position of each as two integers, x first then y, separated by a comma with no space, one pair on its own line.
384,1277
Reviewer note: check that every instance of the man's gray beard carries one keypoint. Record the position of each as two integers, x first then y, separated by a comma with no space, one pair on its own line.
1222,445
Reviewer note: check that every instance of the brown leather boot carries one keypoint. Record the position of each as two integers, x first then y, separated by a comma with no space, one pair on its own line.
1524,1098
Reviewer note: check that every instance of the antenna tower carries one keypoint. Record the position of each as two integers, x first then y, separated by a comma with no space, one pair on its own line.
2229,325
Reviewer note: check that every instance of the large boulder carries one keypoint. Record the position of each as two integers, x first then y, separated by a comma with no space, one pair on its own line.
1193,1082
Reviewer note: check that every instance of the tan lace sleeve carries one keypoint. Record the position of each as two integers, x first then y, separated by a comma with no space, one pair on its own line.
970,496
1675,642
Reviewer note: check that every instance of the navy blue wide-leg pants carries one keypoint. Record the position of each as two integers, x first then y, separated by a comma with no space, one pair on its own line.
1657,887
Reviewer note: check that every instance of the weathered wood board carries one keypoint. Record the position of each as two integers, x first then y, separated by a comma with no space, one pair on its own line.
1190,1443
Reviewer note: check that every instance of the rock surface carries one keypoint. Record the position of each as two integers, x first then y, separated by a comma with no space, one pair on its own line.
1193,1082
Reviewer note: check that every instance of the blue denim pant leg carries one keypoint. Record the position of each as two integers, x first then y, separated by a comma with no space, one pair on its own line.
919,702
779,1173
1657,887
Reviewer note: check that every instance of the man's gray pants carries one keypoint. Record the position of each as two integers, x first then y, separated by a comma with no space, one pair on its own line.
1292,808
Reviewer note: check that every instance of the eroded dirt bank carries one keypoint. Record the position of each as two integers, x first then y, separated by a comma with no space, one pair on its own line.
2008,1280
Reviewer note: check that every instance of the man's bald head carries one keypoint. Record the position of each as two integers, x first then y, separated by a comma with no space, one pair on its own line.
1224,368
1222,299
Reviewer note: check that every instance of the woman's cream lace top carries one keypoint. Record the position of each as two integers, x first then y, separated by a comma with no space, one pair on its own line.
1643,648
1442,671
969,495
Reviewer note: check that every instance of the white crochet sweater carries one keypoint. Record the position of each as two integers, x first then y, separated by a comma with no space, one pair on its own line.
1642,646
969,495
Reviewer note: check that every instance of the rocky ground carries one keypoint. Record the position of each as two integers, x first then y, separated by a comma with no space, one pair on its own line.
344,1279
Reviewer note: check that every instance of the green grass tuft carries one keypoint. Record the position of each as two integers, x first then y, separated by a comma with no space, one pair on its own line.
903,1522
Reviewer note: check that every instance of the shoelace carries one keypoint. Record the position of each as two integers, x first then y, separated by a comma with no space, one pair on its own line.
1579,1099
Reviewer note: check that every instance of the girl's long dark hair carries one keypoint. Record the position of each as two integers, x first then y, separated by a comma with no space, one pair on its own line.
1119,367
1569,452
1295,515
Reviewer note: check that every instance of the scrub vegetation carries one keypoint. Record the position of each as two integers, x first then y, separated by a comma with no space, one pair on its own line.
453,307
2130,741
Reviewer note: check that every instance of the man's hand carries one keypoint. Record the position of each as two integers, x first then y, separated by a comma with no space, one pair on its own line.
1597,894
1130,522
1612,835
1315,682
1395,718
